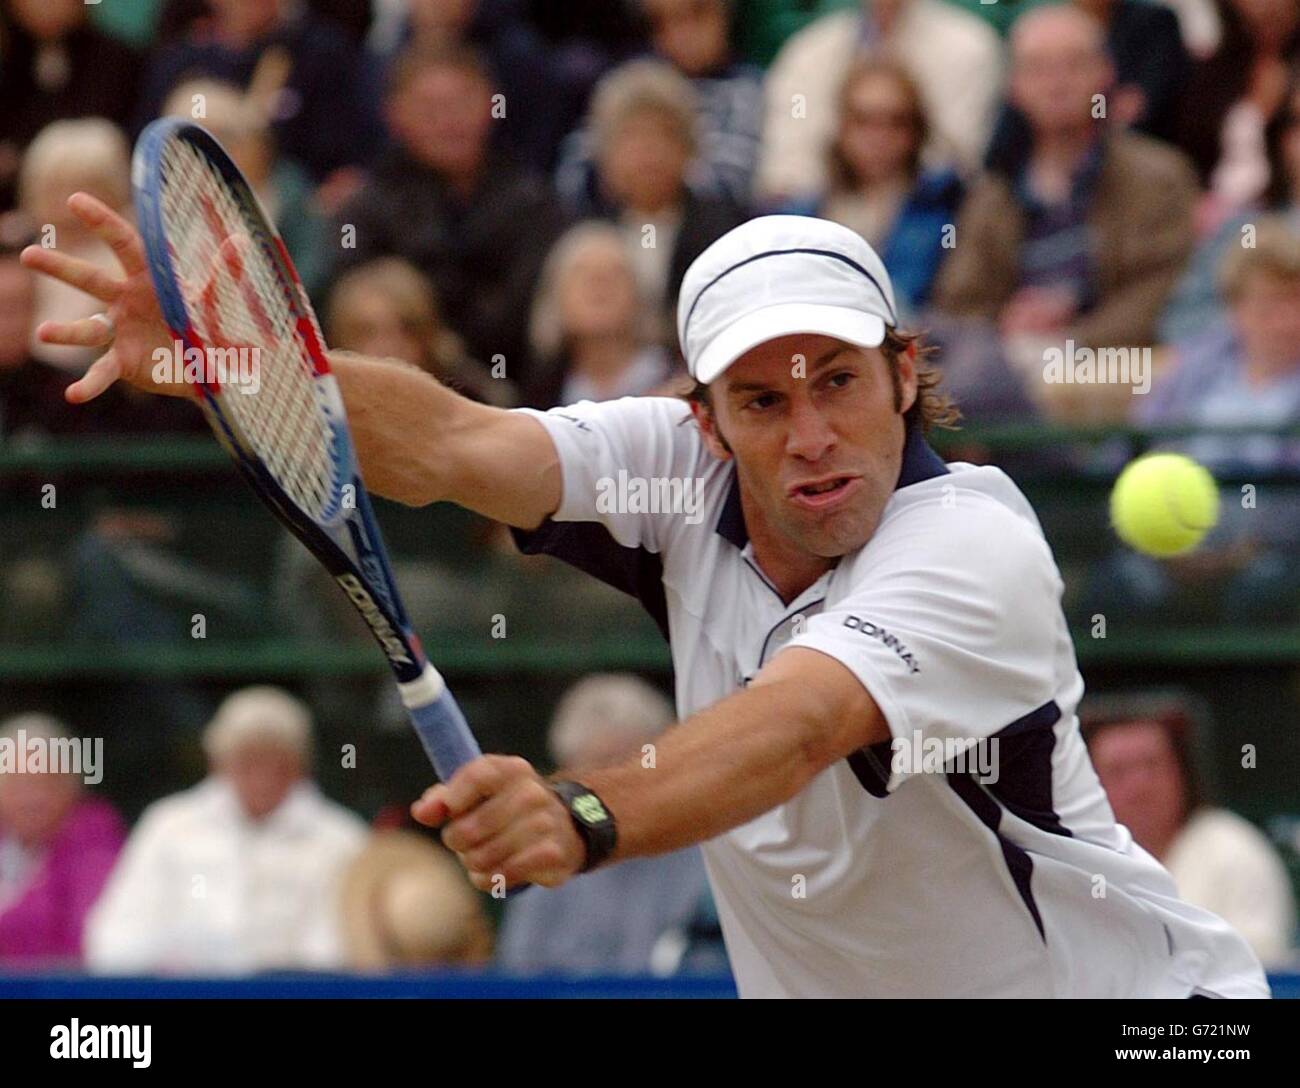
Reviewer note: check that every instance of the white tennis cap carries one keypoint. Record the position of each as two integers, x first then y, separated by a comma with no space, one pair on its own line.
777,275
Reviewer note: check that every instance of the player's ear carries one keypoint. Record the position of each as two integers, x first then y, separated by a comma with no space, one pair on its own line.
906,364
708,425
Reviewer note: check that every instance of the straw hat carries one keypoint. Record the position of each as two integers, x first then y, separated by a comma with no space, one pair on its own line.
406,903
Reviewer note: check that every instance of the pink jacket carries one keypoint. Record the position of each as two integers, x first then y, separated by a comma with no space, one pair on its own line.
43,925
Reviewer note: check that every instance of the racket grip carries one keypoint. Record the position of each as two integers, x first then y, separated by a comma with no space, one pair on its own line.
445,735
442,730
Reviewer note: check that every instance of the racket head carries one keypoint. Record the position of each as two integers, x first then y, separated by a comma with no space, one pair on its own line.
224,280
230,294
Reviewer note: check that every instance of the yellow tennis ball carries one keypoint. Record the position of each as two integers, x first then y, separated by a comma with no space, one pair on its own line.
1163,504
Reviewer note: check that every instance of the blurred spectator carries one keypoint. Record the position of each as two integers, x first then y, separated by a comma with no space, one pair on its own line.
609,920
1143,751
55,66
1150,69
56,849
955,58
1195,305
877,185
643,122
1243,372
1233,94
585,329
92,156
406,904
387,309
241,872
542,99
304,72
470,218
1245,369
281,185
692,35
1083,241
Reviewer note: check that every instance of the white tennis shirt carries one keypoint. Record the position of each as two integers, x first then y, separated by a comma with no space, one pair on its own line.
976,854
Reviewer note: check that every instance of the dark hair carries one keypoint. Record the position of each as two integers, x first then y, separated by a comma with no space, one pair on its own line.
932,407
415,59
1281,185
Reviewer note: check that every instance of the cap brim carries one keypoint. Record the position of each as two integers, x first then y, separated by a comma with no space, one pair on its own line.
853,326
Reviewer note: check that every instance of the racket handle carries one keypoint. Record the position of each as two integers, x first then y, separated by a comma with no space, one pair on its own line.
443,731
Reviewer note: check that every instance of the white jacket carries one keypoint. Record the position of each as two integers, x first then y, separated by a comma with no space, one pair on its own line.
201,889
955,57
1224,863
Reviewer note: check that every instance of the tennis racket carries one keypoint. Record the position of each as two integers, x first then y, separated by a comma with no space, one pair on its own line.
231,296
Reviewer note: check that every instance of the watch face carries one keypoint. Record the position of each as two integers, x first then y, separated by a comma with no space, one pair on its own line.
589,810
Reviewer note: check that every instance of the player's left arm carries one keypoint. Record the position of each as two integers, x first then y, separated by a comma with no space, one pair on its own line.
714,771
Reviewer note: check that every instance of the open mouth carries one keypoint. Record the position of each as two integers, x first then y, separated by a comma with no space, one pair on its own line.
824,488
821,492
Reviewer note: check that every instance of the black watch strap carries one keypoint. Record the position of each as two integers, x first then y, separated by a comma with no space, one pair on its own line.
594,822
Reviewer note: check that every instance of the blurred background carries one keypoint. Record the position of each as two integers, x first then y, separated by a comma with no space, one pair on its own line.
507,194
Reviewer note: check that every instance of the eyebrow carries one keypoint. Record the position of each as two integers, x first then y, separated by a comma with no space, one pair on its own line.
824,358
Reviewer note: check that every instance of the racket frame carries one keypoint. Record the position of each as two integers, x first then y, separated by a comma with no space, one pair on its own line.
346,540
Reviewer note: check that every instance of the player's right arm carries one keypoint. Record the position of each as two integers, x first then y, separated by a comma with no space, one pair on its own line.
417,441
420,442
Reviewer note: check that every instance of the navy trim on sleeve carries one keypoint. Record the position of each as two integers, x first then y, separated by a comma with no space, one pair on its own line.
588,546
1024,788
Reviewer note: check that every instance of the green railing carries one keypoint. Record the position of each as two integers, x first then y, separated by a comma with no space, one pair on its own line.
92,473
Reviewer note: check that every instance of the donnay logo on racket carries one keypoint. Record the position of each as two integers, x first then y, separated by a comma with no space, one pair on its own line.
393,646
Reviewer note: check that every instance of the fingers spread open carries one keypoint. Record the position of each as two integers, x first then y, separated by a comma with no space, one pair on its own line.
105,371
121,237
73,271
86,332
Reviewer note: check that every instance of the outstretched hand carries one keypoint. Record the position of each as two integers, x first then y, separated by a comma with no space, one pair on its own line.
135,328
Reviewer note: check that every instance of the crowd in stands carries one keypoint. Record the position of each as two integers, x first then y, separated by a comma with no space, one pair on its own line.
507,194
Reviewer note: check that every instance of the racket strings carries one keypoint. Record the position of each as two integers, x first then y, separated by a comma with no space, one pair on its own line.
237,298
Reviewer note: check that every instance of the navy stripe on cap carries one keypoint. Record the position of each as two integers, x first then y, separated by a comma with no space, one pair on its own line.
893,318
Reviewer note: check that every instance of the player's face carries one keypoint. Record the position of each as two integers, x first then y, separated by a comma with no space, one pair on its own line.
816,429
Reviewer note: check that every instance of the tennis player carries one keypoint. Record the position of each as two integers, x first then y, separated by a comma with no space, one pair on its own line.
877,749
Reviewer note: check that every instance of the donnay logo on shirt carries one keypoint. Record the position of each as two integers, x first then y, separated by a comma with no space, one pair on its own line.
871,630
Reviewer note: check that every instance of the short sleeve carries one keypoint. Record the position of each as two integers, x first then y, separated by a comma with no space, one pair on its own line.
953,625
608,524
624,462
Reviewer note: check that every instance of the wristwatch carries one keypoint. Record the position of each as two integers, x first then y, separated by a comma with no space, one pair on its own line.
593,821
